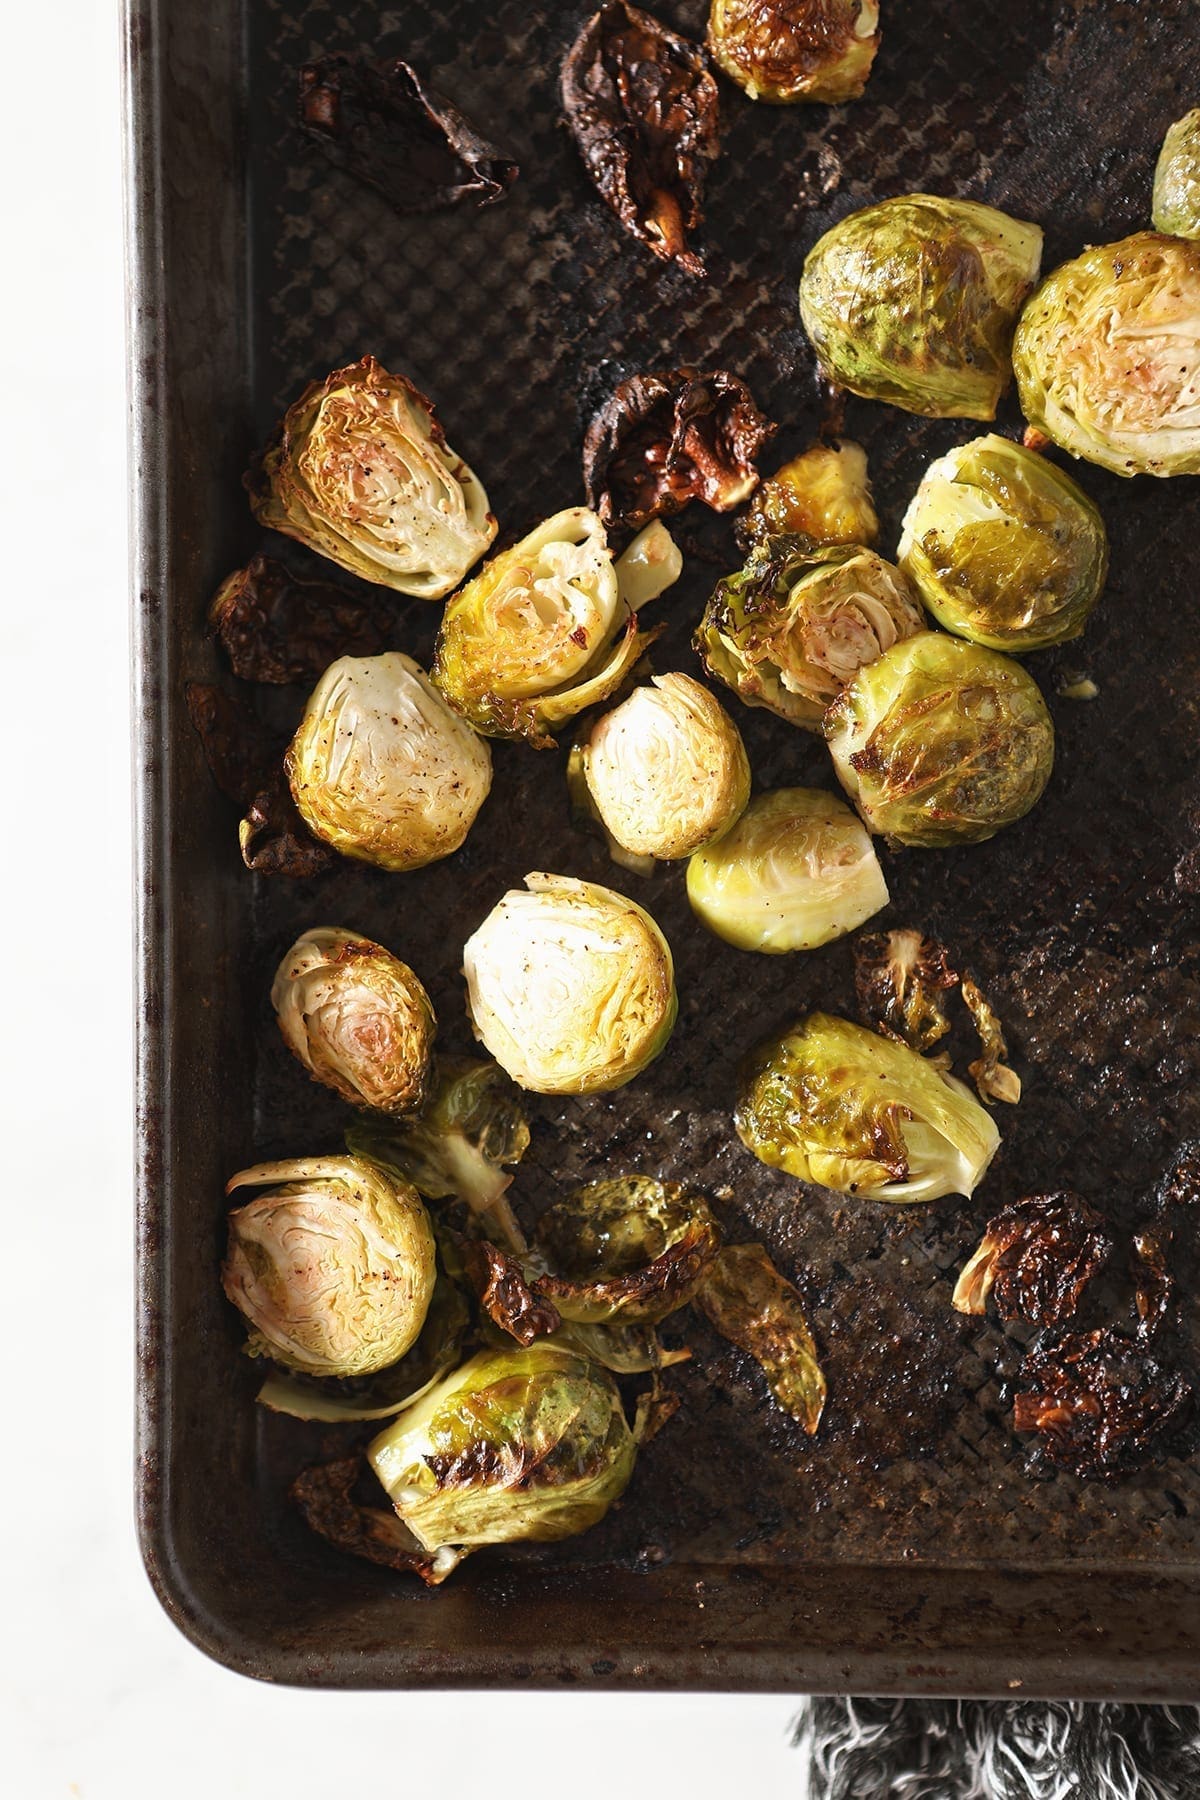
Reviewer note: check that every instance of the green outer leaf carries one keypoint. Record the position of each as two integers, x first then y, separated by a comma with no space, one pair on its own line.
1176,207
748,1301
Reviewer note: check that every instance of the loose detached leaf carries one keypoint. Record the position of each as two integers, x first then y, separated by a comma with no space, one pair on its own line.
1036,1257
748,1301
245,765
324,1497
898,978
278,627
502,1288
1098,1402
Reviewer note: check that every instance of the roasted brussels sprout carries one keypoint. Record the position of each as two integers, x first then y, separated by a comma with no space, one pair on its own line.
356,1017
570,986
542,631
1005,549
278,627
629,1250
1036,1258
914,301
1107,356
797,870
470,1127
747,1299
501,1284
667,769
941,742
842,1107
382,769
360,471
787,50
518,1445
333,1266
792,627
1177,180
1099,1402
823,494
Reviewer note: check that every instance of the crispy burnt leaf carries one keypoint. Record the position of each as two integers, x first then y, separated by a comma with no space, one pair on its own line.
630,1249
993,1078
1180,1185
278,627
1153,1283
244,763
644,109
661,440
654,1409
274,838
324,1495
500,1285
748,1301
1099,1403
898,979
1035,1260
384,125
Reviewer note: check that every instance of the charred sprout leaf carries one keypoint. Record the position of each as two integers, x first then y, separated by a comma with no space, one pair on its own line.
623,1348
380,767
797,623
914,300
850,1110
1107,356
788,50
796,871
1005,549
541,633
324,1496
1099,1403
332,1266
655,1408
660,441
244,763
357,1018
275,626
471,1126
666,770
499,1283
359,470
1177,179
993,1078
748,1301
644,111
651,564
273,837
334,1400
941,742
383,124
1154,1285
898,978
1181,1184
629,1250
570,986
518,1445
823,495
1036,1258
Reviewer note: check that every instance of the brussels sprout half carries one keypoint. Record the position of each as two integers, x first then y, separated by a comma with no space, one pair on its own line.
1107,356
823,494
382,769
847,1109
914,301
1005,549
941,742
1176,207
333,1266
360,471
796,871
788,50
570,986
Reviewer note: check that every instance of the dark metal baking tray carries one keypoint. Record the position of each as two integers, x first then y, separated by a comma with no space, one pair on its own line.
904,1550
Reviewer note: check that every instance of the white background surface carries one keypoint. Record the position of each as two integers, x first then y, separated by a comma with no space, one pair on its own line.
100,1698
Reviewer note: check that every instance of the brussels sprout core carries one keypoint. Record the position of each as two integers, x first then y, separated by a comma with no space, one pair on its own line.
796,871
788,50
1177,179
847,1109
914,301
667,769
356,1017
570,986
941,742
1107,356
382,769
1006,550
333,1266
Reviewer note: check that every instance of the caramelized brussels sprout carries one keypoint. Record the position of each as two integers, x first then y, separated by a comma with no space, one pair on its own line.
1177,180
788,50
1005,549
796,871
356,1017
1107,356
518,1445
842,1107
360,471
792,627
1099,1402
628,1250
667,769
382,769
1036,1257
914,301
541,632
823,494
941,742
747,1299
570,986
333,1266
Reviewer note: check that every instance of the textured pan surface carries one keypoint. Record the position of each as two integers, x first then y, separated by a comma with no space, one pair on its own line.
1081,921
